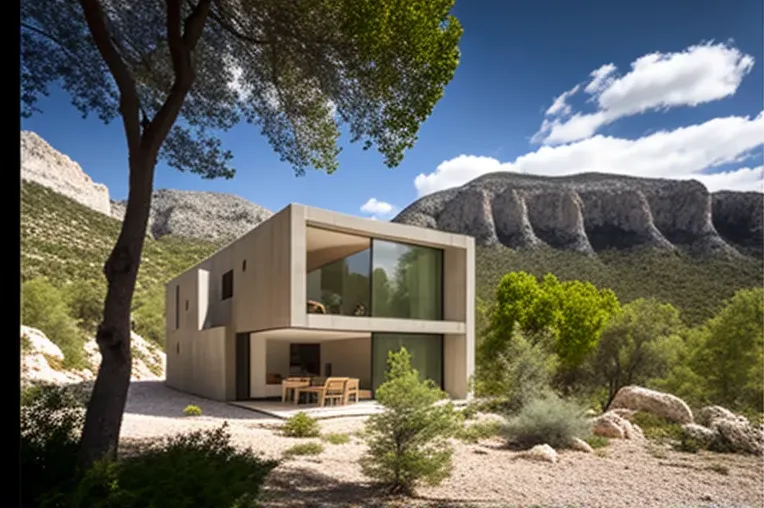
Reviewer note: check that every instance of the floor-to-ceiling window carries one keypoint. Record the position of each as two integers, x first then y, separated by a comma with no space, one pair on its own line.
407,281
341,287
426,355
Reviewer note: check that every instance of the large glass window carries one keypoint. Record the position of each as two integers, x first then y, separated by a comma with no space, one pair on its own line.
341,287
407,281
426,355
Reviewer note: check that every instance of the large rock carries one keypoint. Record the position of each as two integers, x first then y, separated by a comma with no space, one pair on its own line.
542,453
698,433
581,446
592,212
708,414
731,432
658,403
612,425
43,164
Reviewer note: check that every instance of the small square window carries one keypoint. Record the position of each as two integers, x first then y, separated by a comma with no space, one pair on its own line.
227,285
244,266
186,304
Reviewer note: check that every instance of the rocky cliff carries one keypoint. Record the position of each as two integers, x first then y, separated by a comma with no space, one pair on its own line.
211,216
591,212
43,164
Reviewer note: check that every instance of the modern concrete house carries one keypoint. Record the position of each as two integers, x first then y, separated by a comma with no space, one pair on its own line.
313,292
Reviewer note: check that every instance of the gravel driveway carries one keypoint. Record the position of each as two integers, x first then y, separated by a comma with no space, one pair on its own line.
625,474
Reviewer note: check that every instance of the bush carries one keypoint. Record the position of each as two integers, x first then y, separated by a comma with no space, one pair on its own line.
43,306
479,430
301,425
597,442
197,469
85,300
304,449
336,438
548,419
408,441
51,418
656,427
192,410
148,315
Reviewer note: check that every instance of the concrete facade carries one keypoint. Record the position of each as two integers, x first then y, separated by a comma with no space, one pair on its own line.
269,268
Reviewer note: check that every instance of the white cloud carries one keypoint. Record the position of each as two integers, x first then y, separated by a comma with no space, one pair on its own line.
742,179
700,74
686,152
378,210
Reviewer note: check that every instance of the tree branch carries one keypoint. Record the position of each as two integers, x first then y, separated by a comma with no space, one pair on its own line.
182,51
230,29
128,101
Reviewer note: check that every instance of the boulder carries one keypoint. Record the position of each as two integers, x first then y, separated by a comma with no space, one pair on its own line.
698,433
708,414
658,403
581,446
612,425
542,453
624,413
737,436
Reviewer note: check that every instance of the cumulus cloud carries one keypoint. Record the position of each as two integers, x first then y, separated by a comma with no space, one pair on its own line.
686,152
378,210
700,74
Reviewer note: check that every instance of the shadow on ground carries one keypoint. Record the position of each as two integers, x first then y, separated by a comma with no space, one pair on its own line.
299,486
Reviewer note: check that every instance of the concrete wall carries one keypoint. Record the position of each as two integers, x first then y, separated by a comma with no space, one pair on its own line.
196,363
277,357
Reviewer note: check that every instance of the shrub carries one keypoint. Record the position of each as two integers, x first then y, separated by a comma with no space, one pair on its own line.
657,428
301,425
408,441
336,438
548,419
51,418
479,430
597,442
192,410
85,299
304,449
148,315
201,468
43,307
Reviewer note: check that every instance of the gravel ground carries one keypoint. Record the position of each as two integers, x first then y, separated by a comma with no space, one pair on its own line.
625,474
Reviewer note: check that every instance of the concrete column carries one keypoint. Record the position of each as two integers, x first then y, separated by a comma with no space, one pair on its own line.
257,365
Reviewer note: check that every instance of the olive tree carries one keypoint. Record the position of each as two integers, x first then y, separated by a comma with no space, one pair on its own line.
177,72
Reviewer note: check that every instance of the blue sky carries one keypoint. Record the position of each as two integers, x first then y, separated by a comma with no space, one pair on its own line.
650,88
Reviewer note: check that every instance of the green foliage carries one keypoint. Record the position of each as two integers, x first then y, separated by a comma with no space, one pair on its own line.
547,419
697,286
597,442
657,428
520,371
639,343
43,307
311,448
192,410
148,315
301,425
51,418
85,300
201,468
378,67
474,432
408,441
732,357
336,438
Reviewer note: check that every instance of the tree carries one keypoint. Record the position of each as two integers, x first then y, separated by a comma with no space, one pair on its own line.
731,360
408,441
297,69
639,343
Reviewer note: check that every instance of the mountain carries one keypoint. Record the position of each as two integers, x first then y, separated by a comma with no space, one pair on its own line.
592,212
209,216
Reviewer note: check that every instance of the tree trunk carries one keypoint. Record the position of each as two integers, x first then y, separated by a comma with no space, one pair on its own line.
103,420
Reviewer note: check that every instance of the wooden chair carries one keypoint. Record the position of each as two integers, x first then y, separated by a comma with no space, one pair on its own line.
332,389
351,390
293,384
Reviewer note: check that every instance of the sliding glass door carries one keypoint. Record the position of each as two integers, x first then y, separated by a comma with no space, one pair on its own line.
426,355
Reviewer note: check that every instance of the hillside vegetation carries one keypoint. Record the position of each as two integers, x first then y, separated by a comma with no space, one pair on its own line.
67,242
695,286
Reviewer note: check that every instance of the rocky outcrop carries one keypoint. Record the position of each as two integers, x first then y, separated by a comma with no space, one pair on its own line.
592,212
612,425
658,403
212,216
42,361
43,164
728,432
